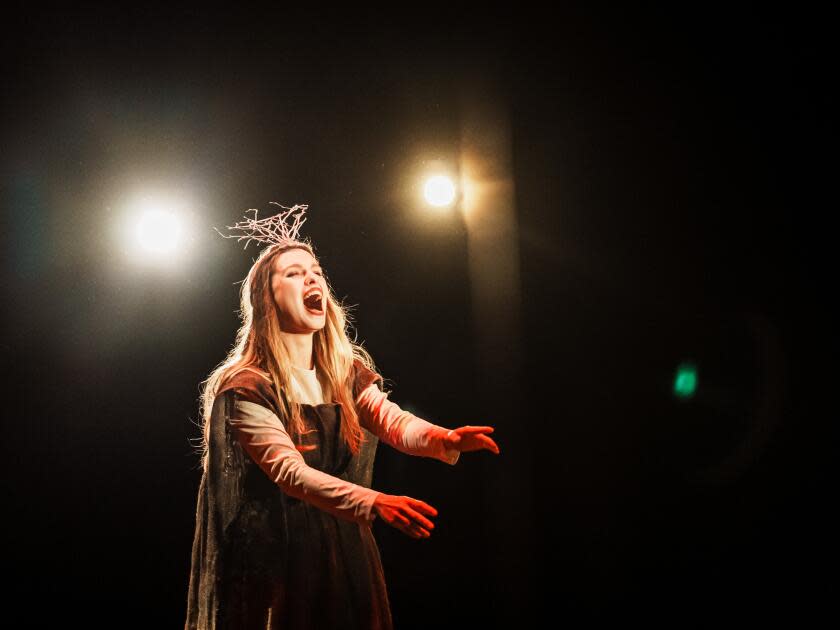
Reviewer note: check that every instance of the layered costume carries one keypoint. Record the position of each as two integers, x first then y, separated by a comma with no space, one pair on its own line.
283,531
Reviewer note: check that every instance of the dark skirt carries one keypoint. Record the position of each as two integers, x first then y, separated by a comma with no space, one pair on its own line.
301,568
263,559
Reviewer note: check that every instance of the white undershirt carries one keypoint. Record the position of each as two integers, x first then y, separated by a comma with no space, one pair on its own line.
305,387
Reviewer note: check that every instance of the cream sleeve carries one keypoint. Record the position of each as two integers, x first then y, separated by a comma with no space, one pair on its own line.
400,429
264,438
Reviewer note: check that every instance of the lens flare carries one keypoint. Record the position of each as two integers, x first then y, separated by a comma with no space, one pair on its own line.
685,380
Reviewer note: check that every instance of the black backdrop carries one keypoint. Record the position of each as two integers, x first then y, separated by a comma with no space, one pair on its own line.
671,187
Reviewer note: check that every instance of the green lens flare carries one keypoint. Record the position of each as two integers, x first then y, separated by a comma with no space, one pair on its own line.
685,380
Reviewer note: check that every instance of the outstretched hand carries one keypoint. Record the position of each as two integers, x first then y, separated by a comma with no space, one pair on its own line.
411,516
468,438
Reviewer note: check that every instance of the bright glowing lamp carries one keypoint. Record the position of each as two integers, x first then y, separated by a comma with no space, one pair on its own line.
158,231
439,191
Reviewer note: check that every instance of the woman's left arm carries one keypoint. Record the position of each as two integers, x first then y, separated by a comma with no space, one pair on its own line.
412,435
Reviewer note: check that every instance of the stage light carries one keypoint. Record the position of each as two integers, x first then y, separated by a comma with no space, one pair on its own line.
158,231
439,191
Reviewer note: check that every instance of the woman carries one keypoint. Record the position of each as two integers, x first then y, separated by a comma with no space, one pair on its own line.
292,419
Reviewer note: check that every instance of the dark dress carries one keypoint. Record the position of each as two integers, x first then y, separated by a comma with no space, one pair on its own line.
264,559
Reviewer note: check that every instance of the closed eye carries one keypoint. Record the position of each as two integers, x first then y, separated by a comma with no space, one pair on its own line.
290,273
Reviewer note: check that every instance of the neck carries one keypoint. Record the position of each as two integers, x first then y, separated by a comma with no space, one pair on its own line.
299,347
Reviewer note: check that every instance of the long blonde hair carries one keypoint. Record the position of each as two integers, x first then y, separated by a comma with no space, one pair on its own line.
259,348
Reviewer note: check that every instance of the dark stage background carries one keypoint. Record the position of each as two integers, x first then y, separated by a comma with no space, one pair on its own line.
670,177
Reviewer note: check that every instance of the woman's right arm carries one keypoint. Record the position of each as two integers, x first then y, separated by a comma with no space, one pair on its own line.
262,435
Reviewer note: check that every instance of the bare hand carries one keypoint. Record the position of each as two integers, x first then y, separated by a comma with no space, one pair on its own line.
470,438
406,514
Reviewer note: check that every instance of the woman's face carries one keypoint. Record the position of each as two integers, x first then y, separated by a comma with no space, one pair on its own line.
300,292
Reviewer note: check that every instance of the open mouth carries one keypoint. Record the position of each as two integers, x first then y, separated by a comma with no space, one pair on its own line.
314,304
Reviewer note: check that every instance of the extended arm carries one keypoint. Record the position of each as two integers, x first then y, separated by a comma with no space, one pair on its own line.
402,430
264,438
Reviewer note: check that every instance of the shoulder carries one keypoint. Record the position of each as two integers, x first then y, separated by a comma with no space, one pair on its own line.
252,385
248,378
363,377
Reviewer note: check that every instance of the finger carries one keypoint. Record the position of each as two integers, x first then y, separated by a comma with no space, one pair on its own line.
490,445
410,528
419,519
424,508
419,532
471,429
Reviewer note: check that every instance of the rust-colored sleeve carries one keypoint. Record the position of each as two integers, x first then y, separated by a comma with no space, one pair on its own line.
363,377
251,385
